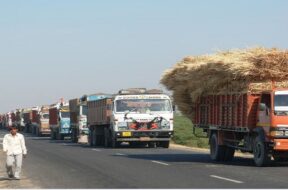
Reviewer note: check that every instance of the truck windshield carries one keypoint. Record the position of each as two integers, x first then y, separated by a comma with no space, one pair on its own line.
281,100
143,105
45,116
84,110
281,104
65,114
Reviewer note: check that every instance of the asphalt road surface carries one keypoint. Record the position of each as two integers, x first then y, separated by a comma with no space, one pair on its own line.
61,164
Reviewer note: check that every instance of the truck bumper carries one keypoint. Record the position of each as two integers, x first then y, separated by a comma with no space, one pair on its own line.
281,144
143,136
45,131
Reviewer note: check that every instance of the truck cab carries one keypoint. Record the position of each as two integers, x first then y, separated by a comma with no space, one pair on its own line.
59,121
142,117
64,120
43,122
273,118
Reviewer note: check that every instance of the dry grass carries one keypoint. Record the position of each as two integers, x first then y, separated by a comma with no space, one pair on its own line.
225,72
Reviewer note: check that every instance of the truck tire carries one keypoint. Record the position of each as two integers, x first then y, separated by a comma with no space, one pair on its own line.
164,144
53,135
217,152
94,138
106,142
260,152
106,138
36,132
74,138
90,137
229,153
115,143
152,144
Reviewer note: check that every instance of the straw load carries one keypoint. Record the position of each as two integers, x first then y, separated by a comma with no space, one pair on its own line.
234,71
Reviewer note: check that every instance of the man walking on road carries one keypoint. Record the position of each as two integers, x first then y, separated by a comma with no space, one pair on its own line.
14,146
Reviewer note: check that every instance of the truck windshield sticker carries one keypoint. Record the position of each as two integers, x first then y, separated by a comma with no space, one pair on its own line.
136,105
142,97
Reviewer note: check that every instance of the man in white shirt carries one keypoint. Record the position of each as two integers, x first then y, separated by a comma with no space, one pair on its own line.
14,146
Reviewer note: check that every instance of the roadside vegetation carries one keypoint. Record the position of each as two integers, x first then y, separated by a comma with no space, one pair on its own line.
183,133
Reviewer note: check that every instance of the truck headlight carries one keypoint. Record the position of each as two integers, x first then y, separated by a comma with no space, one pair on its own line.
278,133
165,124
122,125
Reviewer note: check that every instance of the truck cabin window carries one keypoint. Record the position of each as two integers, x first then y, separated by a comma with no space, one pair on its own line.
65,114
265,104
45,116
84,110
281,104
143,105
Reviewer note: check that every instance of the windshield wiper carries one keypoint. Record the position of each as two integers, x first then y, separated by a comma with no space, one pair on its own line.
125,115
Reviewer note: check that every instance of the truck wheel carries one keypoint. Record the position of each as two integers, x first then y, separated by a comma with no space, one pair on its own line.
164,144
115,143
229,153
94,139
38,134
217,152
106,141
76,136
73,136
90,137
106,138
261,157
51,135
152,144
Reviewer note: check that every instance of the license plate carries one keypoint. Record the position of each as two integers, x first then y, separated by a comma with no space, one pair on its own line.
144,138
126,134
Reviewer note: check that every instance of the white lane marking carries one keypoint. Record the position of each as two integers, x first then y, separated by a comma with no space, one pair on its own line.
162,163
97,150
120,154
227,179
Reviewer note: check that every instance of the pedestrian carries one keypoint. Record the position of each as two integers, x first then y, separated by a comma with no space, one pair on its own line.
14,146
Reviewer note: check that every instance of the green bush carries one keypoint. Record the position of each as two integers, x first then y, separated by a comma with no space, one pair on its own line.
183,133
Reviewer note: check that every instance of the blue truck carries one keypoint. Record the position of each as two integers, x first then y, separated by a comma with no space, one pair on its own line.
59,120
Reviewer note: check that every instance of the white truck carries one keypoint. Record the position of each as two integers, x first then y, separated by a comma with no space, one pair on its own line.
135,115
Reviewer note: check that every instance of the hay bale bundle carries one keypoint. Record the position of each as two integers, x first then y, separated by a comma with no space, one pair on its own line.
225,72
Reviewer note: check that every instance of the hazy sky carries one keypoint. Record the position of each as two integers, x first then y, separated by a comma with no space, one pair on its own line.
66,48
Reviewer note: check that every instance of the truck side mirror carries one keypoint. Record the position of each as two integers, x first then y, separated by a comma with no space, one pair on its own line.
267,111
262,107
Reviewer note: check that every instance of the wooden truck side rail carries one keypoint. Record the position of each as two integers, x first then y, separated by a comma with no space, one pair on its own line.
235,112
99,112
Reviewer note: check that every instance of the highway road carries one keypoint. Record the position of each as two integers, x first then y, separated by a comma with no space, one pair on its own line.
61,164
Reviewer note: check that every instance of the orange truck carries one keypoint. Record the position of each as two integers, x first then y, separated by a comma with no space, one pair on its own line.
41,126
250,122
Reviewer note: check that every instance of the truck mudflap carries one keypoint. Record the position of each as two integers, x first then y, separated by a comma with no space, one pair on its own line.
143,136
281,144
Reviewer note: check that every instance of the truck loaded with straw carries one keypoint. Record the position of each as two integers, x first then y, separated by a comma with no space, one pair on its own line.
240,98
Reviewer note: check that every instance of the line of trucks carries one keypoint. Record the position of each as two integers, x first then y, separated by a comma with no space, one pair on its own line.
135,116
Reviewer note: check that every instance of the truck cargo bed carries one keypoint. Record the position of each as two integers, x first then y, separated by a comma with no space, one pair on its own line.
236,111
99,111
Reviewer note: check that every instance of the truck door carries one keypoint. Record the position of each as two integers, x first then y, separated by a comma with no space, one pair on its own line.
264,119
